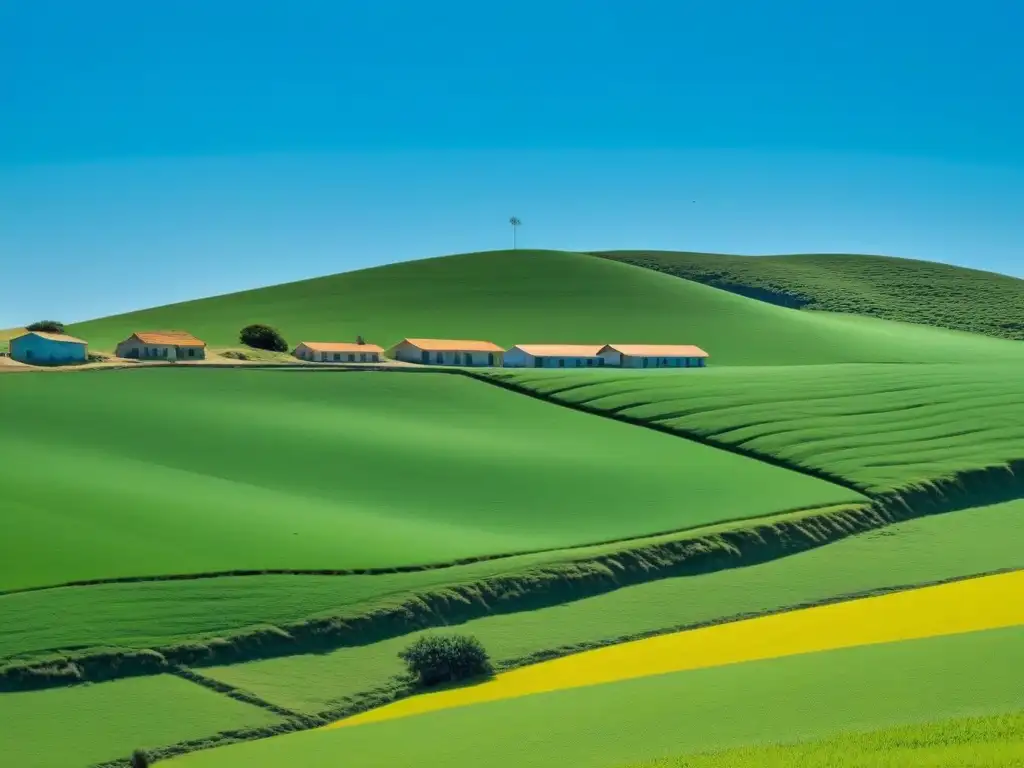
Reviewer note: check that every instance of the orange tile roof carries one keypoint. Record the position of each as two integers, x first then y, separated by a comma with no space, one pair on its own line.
52,337
340,346
170,338
565,350
658,350
453,345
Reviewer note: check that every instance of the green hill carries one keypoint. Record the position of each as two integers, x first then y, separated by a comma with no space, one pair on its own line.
512,297
878,286
174,471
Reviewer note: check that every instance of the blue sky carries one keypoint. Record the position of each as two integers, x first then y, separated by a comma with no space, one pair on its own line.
153,152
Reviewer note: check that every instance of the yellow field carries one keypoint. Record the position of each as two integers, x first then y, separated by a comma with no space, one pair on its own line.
965,606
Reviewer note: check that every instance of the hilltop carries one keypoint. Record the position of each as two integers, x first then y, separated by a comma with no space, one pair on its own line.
886,287
512,297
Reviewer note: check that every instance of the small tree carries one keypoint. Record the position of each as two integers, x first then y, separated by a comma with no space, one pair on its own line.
46,326
446,659
260,336
140,759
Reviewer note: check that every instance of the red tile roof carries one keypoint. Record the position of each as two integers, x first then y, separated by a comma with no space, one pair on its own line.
560,350
170,338
452,345
658,350
340,346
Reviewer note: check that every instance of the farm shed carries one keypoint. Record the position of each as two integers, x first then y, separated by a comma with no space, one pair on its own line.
447,352
654,356
338,352
554,356
162,345
48,348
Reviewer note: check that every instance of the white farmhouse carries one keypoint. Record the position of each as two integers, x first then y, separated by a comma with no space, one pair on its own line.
554,356
338,352
447,352
162,345
653,356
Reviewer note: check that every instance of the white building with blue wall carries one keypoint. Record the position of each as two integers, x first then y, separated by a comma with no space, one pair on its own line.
554,356
38,348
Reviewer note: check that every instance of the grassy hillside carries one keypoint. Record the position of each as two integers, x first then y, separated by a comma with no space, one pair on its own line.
982,742
91,724
805,696
545,296
158,471
880,286
916,552
879,427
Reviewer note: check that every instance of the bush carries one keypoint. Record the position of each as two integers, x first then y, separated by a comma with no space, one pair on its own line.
263,337
140,759
234,354
46,326
446,659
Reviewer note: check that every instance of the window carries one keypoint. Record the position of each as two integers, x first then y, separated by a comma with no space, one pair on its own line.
362,357
351,357
191,353
440,358
165,351
337,357
590,362
373,358
561,363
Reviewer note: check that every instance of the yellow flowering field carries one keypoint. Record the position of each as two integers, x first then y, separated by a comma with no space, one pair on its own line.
971,605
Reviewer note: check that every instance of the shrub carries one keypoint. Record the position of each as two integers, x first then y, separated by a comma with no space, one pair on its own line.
263,337
446,659
140,759
46,326
234,354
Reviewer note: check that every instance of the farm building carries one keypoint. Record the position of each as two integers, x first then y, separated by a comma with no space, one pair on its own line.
447,352
554,356
338,352
162,345
48,348
653,356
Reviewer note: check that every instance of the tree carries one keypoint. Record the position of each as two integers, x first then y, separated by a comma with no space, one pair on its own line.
516,223
46,326
260,336
437,659
140,759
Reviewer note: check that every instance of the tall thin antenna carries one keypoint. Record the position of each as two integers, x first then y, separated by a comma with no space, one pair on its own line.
516,223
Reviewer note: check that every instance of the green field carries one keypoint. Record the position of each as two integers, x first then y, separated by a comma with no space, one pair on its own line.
916,552
996,741
797,697
880,286
91,724
150,472
880,427
512,297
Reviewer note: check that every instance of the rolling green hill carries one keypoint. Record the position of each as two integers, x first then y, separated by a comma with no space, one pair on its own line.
511,297
879,427
172,471
879,286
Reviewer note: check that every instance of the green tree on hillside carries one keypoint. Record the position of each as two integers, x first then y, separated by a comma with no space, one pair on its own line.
446,659
260,336
46,326
139,759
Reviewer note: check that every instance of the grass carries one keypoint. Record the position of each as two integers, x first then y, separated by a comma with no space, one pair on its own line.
805,696
512,297
880,427
880,286
90,724
150,472
973,605
915,552
979,742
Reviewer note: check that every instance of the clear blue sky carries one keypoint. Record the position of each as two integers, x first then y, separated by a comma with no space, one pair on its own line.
158,151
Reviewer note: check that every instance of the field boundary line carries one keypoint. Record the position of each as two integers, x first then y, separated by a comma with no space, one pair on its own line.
496,380
237,694
463,562
382,695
